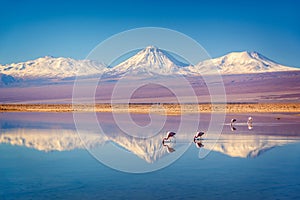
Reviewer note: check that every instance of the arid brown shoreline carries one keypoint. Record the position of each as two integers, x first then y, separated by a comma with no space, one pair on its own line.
168,109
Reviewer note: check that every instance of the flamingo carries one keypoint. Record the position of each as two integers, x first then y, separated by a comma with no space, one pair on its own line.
198,136
231,124
250,119
249,123
232,121
169,135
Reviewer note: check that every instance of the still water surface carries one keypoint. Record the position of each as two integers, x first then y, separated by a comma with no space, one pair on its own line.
43,157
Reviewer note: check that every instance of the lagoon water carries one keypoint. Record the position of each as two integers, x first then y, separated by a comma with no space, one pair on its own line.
42,156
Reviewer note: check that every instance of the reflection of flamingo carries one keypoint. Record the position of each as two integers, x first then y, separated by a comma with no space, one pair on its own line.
232,128
198,136
169,135
199,144
169,149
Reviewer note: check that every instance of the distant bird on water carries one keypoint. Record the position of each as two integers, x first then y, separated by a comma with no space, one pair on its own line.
198,136
249,123
250,120
231,124
169,135
232,121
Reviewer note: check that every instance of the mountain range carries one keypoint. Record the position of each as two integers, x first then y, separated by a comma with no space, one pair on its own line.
48,68
150,61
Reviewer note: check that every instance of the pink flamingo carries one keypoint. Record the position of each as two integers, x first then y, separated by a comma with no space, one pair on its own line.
231,124
198,136
169,135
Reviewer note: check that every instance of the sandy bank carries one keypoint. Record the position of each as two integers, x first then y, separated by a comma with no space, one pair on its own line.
169,109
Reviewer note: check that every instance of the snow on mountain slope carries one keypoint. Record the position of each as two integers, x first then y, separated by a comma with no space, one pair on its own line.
49,67
149,61
239,63
153,61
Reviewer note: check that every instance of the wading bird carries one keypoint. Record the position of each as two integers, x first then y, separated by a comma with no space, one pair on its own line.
249,123
198,136
169,135
250,119
231,125
232,121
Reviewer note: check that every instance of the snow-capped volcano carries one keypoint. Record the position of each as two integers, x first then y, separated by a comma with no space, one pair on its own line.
239,63
149,61
50,67
153,61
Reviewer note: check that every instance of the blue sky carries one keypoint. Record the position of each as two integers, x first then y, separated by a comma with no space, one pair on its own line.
31,29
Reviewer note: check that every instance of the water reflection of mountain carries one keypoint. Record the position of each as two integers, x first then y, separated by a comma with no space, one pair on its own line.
47,140
150,149
248,146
